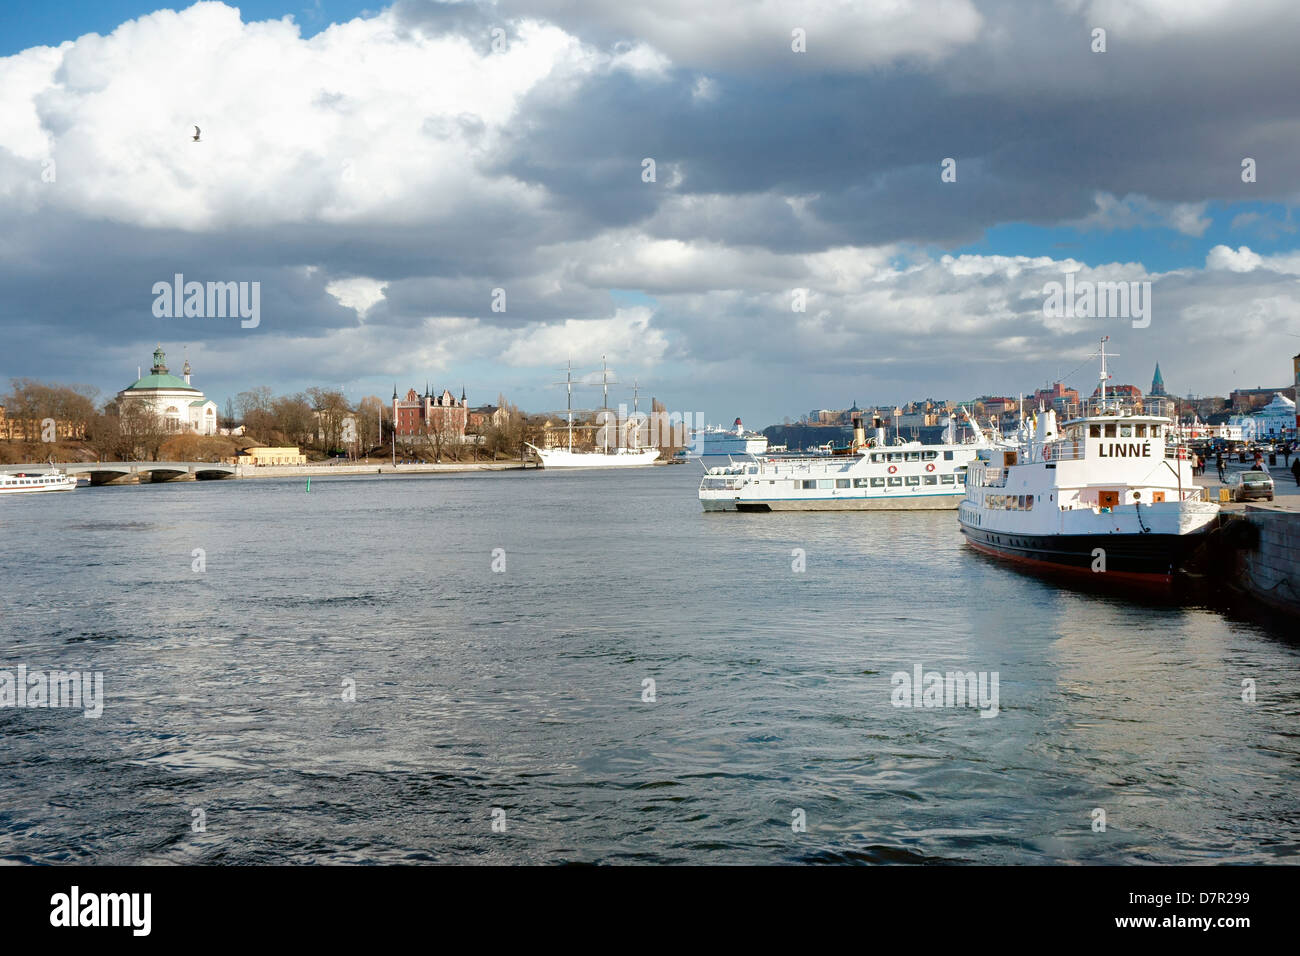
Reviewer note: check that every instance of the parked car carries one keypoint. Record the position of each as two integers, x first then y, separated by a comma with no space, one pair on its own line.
1250,485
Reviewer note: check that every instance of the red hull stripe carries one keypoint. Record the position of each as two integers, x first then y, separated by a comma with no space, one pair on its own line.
1132,578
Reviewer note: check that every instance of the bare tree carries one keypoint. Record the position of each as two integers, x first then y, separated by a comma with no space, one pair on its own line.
331,408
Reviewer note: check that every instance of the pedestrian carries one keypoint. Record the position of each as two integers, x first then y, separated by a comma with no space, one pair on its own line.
1295,470
1218,461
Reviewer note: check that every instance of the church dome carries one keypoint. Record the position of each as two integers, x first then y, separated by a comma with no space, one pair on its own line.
158,377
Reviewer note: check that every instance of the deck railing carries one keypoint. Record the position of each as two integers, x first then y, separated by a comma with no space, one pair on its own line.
1070,449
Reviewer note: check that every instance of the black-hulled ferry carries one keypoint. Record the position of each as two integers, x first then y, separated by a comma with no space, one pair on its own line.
1107,494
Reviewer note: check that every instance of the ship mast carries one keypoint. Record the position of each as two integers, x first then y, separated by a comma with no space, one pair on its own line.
1104,374
569,383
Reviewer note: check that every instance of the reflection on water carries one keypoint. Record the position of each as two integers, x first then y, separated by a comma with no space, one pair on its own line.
524,690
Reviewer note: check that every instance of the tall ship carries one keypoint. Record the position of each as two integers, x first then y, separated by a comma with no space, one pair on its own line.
603,457
870,475
1107,494
22,483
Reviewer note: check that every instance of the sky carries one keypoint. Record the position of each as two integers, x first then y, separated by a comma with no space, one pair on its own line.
850,201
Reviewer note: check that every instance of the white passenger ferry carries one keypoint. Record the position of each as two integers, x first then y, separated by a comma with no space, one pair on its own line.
1108,495
871,476
23,483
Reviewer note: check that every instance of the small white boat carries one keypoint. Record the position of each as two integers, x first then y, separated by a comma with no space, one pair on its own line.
22,483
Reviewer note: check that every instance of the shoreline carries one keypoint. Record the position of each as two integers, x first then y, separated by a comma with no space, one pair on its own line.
378,468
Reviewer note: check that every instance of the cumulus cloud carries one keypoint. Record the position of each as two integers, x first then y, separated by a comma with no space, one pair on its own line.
1233,260
736,33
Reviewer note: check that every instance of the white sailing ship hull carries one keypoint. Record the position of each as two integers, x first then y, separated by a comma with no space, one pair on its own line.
624,458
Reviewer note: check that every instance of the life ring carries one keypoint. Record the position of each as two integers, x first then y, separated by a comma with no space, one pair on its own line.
893,468
1047,453
929,467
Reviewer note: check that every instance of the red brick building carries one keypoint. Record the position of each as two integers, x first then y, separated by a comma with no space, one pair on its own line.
1056,396
428,414
1130,392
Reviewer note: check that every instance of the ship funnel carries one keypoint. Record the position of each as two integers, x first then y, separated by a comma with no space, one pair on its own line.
1045,429
859,433
878,427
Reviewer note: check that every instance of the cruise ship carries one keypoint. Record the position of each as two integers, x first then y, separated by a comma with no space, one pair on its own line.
719,444
1106,495
869,476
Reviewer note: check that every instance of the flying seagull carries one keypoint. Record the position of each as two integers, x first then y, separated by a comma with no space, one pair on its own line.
196,134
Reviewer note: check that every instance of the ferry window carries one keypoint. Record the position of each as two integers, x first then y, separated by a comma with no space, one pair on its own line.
947,456
753,471
809,483
877,482
1029,503
895,482
1020,503
1010,502
1110,431
859,482
929,455
1141,431
841,483
946,479
961,479
913,456
877,457
913,479
1155,431
931,479
1125,431
895,456
1094,431
825,483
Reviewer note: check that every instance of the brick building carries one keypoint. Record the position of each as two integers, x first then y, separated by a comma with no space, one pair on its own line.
428,414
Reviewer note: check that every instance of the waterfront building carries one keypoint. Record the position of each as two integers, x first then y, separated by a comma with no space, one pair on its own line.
19,429
180,405
267,455
1057,397
1246,400
428,414
1128,393
485,416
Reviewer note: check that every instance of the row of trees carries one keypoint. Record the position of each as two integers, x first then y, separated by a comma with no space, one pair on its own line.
320,419
29,405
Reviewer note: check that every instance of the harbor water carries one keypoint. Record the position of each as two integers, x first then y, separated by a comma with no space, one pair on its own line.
537,667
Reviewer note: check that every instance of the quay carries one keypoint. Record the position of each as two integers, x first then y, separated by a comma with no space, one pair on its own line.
1255,553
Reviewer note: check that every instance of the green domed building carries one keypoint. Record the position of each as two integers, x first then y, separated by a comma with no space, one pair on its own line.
182,406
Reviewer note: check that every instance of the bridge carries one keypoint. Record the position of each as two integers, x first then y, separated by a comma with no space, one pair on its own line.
127,472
